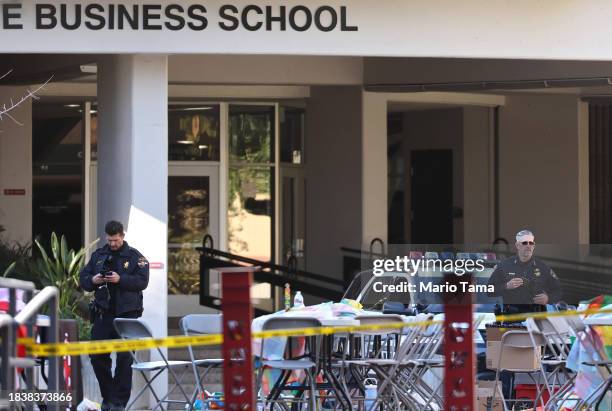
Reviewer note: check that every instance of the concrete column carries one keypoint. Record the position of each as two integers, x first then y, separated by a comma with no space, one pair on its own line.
133,167
16,167
374,171
333,176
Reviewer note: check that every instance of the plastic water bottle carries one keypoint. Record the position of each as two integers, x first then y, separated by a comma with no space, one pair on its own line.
298,300
370,394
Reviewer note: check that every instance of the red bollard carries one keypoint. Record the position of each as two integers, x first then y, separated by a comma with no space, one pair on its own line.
459,372
237,358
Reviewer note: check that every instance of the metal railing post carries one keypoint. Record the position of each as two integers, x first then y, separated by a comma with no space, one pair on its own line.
29,371
54,338
6,328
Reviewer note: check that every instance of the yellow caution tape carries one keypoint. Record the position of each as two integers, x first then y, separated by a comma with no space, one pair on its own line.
545,314
106,346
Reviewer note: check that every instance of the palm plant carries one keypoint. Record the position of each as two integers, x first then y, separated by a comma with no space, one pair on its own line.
61,269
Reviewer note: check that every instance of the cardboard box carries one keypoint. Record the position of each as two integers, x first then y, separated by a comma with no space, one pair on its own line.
485,394
496,333
513,358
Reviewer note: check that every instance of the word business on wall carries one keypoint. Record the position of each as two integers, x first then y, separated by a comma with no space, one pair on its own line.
175,17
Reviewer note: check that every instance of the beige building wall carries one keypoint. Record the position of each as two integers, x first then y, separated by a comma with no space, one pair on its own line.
16,167
542,168
265,69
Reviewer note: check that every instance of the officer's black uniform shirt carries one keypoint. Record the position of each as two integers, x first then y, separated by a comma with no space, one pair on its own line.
537,278
132,267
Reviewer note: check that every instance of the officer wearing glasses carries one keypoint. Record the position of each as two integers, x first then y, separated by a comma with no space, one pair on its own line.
525,283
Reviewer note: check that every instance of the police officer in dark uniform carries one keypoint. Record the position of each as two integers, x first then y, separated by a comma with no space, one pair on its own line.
525,283
117,274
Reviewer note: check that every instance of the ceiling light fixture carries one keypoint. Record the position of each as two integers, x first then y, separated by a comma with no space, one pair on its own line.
192,108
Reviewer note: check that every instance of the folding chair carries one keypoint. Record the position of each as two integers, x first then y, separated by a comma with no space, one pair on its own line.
306,363
201,324
419,360
603,365
400,377
369,345
556,332
520,339
132,329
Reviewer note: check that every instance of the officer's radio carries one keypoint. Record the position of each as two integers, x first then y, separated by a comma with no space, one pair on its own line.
107,266
532,286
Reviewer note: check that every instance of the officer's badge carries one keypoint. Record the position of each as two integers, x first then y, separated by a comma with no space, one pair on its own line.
142,262
537,272
511,274
126,265
552,273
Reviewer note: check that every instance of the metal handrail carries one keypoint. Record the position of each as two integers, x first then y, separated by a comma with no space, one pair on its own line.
276,269
47,296
12,283
38,302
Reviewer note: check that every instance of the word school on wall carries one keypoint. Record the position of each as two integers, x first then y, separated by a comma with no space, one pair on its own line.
175,17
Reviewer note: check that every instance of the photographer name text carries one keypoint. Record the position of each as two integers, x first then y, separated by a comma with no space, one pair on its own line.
429,287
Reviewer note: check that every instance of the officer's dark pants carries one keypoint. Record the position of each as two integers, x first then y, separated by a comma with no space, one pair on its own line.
115,390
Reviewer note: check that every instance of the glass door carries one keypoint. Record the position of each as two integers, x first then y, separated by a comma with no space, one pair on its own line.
194,135
193,213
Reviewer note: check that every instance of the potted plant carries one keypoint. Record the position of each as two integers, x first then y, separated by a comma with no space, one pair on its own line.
61,269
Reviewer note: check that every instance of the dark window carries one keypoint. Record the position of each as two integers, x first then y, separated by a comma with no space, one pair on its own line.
57,167
292,135
600,173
